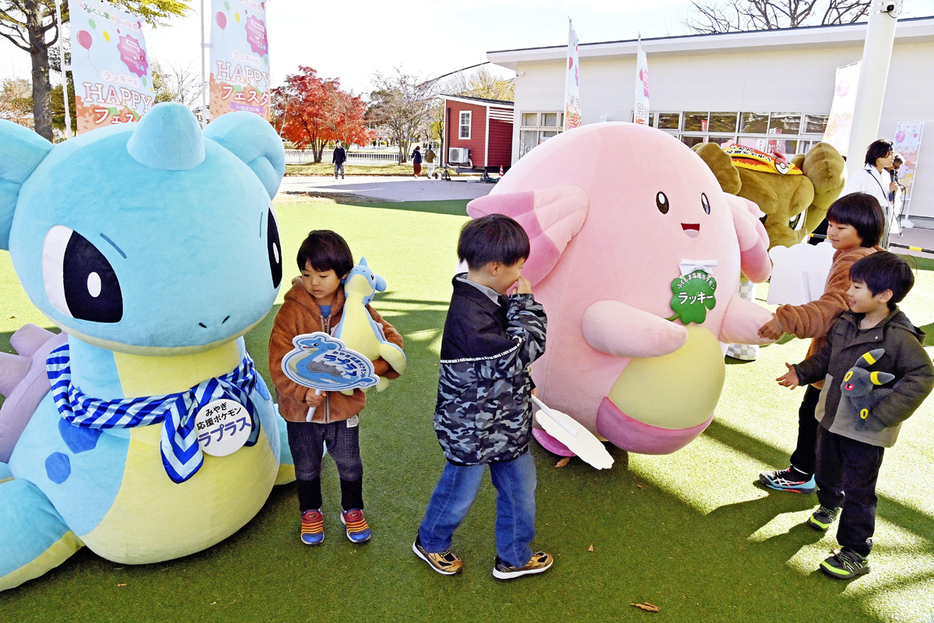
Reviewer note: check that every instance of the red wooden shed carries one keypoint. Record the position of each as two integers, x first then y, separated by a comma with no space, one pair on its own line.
478,132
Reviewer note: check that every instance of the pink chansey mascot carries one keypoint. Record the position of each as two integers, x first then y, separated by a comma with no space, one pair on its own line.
636,256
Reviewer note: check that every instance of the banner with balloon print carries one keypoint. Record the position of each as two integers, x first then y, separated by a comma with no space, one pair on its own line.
239,57
109,64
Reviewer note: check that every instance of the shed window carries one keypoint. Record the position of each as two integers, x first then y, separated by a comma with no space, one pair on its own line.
464,125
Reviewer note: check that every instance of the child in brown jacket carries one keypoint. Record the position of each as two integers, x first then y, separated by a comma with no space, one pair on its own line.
315,303
855,225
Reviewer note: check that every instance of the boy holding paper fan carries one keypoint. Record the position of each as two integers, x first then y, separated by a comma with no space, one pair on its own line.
316,303
493,332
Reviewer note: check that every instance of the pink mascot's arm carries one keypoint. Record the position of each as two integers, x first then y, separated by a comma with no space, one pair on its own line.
741,322
620,330
743,318
752,237
550,217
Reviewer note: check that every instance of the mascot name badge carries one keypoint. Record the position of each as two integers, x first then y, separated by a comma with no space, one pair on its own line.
693,292
226,418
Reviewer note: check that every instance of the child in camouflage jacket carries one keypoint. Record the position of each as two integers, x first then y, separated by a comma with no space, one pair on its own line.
483,416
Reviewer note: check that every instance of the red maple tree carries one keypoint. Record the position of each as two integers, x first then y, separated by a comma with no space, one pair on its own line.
310,111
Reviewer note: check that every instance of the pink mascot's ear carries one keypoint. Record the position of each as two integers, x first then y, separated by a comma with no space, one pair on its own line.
752,237
550,217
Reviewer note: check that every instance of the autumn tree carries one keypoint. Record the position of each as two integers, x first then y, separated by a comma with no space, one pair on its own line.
311,111
717,16
481,83
31,26
401,102
16,101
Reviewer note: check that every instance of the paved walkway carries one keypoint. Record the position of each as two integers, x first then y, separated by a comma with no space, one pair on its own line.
389,188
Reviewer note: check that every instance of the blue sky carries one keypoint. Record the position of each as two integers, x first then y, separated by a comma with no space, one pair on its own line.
353,39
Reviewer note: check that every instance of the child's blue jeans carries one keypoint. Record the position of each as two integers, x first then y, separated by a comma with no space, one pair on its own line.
515,483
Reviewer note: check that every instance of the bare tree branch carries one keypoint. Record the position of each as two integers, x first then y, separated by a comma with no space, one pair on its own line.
718,16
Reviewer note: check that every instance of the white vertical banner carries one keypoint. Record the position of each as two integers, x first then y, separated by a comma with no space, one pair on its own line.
641,108
109,64
239,57
840,121
572,89
908,144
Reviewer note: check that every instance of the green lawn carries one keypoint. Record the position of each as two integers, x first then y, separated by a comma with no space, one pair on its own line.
690,532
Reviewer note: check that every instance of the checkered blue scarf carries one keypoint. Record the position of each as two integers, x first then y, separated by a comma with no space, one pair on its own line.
181,454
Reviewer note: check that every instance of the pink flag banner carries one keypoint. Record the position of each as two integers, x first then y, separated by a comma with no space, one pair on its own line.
239,57
908,144
109,64
840,121
572,91
641,109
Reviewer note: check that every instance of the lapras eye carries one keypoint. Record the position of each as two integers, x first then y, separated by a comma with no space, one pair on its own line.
661,202
274,248
79,280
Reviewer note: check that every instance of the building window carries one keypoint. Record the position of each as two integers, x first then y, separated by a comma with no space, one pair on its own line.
668,121
783,132
464,125
538,127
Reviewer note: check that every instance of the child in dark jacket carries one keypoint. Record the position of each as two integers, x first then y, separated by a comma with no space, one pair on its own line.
855,226
854,432
483,416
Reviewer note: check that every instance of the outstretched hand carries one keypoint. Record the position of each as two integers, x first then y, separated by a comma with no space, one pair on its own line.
790,378
771,330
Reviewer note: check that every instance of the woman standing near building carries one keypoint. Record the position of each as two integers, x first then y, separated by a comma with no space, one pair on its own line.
876,181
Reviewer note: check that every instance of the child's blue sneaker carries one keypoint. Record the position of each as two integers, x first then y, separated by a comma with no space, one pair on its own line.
788,480
358,530
312,527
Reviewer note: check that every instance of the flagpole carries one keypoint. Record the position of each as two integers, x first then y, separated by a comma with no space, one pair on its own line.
204,85
61,53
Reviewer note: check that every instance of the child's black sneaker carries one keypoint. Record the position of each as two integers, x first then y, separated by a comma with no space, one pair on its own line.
445,563
540,561
788,480
845,565
823,518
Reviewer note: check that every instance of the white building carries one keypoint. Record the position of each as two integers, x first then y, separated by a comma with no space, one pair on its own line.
745,87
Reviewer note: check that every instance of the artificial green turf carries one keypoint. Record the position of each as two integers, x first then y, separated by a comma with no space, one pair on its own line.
689,532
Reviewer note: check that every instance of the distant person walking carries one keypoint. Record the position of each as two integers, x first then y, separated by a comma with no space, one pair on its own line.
430,161
339,158
417,161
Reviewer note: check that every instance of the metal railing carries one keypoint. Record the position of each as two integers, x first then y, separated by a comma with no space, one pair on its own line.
297,156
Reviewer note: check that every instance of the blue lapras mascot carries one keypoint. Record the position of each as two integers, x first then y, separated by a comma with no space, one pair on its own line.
155,248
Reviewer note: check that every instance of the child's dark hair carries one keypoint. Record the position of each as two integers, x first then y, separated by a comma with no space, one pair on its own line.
492,238
863,213
325,250
883,271
878,149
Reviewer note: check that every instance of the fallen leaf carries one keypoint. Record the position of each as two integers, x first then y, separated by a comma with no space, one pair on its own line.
590,549
121,584
563,462
639,486
647,607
